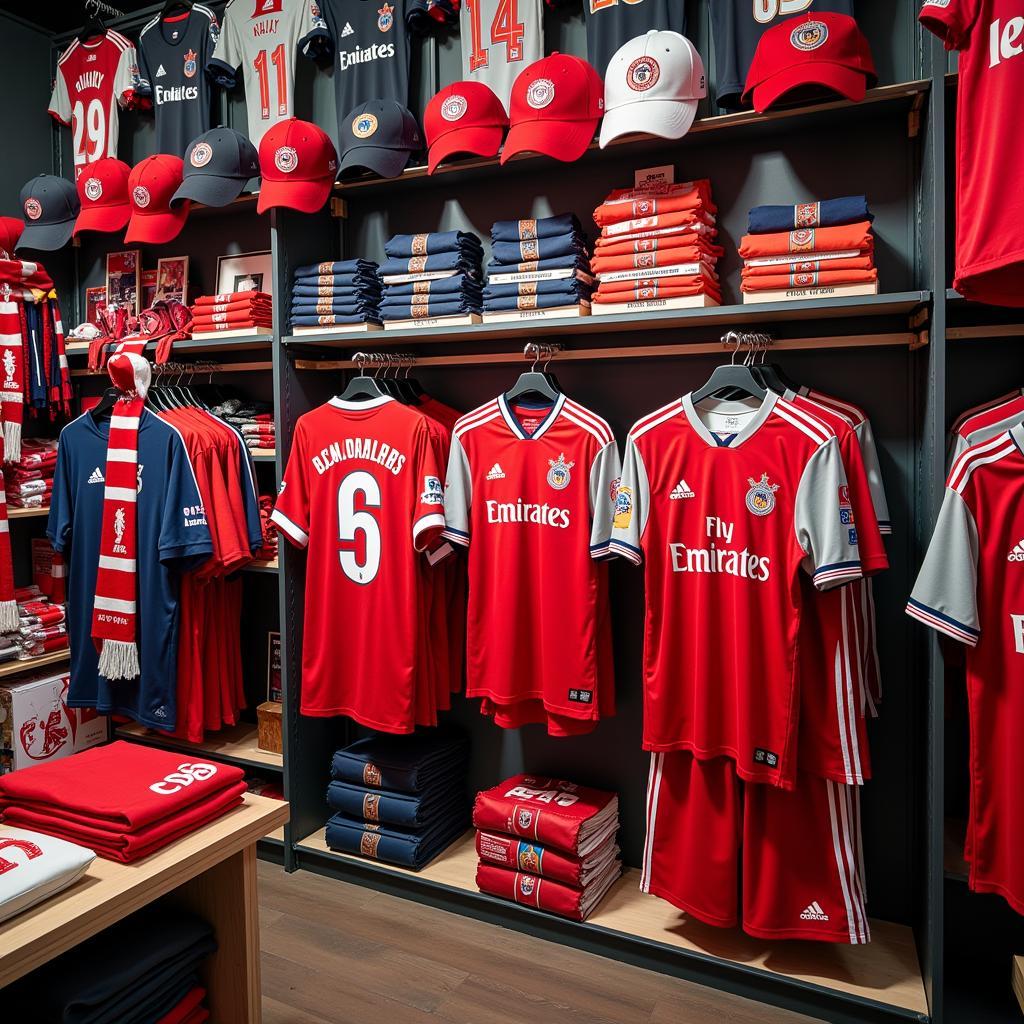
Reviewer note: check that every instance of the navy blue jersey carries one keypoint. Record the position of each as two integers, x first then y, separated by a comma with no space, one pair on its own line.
172,538
612,23
737,27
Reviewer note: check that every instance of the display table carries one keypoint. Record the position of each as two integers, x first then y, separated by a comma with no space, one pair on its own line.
211,872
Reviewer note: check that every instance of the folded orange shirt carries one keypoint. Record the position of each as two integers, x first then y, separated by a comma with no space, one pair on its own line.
683,219
627,204
809,266
809,240
675,240
656,288
770,282
649,294
645,260
216,300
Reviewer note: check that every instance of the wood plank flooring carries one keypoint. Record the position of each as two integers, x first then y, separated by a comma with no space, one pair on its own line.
335,953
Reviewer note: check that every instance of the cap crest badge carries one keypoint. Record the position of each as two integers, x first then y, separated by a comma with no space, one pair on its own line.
454,108
33,209
809,35
540,93
140,196
93,189
643,74
364,126
286,159
202,153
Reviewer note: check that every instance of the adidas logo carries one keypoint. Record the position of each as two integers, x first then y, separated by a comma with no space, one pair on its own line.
1017,554
160,72
95,477
681,490
268,5
347,30
814,913
496,473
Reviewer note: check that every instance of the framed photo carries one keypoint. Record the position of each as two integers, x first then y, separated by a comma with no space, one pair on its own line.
123,279
148,285
172,278
273,666
95,300
247,272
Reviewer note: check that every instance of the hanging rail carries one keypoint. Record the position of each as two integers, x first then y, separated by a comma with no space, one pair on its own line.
198,368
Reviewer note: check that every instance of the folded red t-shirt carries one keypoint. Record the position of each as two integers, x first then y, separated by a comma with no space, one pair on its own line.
603,242
182,1011
810,240
645,260
770,282
808,266
237,317
524,855
638,224
235,307
214,300
665,288
628,204
542,893
675,240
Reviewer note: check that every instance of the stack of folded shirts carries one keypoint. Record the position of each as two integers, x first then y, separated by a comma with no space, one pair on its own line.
141,970
335,294
657,247
809,250
547,844
42,627
432,275
243,312
29,481
268,550
253,420
399,799
538,264
125,801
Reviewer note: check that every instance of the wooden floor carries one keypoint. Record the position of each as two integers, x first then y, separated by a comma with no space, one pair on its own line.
335,953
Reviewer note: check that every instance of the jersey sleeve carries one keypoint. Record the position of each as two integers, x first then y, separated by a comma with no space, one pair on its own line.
631,506
869,453
60,99
428,506
145,85
824,520
605,475
945,596
862,515
58,524
185,537
950,20
458,495
227,54
126,77
291,510
314,38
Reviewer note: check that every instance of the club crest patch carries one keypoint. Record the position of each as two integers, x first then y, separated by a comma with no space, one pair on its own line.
559,476
643,74
386,17
286,159
540,93
454,108
141,196
524,818
364,126
761,496
33,209
623,508
371,774
809,35
201,155
527,883
191,67
93,189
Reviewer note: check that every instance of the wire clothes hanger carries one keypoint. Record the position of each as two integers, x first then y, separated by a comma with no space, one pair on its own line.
94,25
534,382
362,387
732,375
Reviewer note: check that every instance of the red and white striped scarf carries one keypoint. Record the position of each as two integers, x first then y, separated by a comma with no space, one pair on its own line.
8,603
114,617
12,372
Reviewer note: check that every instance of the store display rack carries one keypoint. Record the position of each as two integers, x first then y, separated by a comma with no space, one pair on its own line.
235,746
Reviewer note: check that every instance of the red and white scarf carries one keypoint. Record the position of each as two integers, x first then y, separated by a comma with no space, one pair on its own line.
8,603
114,617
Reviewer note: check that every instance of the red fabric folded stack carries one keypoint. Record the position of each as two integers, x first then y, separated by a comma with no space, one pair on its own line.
657,244
547,844
234,311
269,549
124,800
29,481
190,1009
41,627
259,431
807,259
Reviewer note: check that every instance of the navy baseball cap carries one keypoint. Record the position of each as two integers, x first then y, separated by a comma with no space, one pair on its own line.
379,136
51,206
218,165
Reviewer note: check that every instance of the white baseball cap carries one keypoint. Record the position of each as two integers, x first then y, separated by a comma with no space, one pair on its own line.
652,87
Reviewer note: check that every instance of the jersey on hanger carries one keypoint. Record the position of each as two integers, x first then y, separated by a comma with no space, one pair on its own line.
530,493
262,37
989,151
93,79
499,39
971,587
362,492
737,27
612,23
726,509
984,422
371,52
173,54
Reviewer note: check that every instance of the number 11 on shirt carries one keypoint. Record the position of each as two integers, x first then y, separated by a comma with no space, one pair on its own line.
261,66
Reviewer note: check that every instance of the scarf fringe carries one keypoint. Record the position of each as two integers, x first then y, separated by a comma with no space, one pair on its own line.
12,441
8,616
119,659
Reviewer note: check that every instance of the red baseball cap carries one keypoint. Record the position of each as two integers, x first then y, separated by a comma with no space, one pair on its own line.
298,163
821,49
103,193
556,105
10,231
464,117
151,186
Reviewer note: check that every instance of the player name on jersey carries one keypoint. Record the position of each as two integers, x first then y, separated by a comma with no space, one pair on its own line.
368,449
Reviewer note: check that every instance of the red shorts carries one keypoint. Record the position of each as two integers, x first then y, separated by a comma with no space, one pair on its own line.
802,864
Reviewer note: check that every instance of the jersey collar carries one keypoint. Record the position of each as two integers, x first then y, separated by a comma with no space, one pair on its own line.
371,403
513,423
751,427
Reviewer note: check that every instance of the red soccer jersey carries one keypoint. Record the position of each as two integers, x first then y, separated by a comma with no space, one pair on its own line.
530,492
984,422
989,153
726,504
93,79
971,587
362,490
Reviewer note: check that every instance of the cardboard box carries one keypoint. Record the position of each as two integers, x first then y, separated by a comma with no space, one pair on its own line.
268,723
36,724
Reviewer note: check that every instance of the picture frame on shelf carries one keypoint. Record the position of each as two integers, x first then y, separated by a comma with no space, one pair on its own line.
95,300
123,273
274,689
148,286
172,278
245,272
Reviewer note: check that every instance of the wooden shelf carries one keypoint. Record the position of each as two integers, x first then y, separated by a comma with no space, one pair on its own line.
236,745
262,565
28,513
886,100
895,304
17,668
885,971
241,344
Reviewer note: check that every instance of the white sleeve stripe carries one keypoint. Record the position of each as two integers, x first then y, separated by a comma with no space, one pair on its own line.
474,414
816,430
964,457
463,427
427,522
598,436
298,535
852,412
455,538
922,614
67,53
983,407
641,424
639,431
974,463
595,420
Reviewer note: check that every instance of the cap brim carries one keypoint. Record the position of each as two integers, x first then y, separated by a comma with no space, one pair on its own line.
563,140
476,141
665,119
46,237
156,228
304,196
103,218
209,189
386,163
846,81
